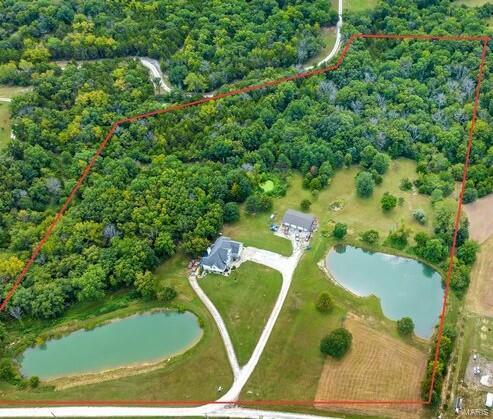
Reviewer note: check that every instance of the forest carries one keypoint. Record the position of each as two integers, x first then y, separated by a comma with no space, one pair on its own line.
164,183
200,44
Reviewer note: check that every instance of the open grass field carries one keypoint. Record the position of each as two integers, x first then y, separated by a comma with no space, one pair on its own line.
480,294
480,215
245,300
195,375
398,369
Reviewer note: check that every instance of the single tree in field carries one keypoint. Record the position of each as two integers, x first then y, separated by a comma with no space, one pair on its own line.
231,212
305,204
388,201
324,303
365,184
405,326
340,230
337,343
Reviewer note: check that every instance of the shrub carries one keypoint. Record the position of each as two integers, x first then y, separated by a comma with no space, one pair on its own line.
388,201
305,204
405,326
324,303
419,215
365,184
167,295
231,212
340,230
398,238
406,184
467,252
33,381
7,371
258,203
370,236
337,343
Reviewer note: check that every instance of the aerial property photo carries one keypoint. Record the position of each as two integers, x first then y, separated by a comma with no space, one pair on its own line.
246,209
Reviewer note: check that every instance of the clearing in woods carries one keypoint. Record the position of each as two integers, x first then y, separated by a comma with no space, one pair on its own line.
400,369
480,295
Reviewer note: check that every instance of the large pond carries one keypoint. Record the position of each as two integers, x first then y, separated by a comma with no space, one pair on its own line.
143,338
404,286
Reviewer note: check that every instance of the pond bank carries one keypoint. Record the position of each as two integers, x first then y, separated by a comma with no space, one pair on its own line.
116,348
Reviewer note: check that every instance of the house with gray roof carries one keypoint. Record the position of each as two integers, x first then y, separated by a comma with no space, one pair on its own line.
298,220
221,255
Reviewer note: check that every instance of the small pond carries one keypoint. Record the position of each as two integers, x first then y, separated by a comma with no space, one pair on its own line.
404,286
143,338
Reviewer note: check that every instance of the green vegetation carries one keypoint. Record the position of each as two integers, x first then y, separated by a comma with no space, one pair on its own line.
4,125
388,202
201,44
365,184
336,343
267,186
340,231
325,303
405,326
245,300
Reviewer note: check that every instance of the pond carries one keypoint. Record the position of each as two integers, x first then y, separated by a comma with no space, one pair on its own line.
143,338
404,286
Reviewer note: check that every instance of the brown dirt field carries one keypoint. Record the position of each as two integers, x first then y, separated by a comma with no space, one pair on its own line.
480,214
378,367
480,295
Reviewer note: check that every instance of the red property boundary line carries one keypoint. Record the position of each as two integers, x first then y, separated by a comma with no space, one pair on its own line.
484,41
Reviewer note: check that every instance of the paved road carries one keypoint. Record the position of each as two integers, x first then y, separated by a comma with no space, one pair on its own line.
5,99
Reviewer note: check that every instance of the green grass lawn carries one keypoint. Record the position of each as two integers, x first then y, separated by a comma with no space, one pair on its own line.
195,375
245,300
267,186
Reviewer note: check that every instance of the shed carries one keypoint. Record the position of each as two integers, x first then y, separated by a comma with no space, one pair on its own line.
489,400
298,220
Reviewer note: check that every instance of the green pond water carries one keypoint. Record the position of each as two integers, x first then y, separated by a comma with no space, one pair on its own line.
404,286
147,337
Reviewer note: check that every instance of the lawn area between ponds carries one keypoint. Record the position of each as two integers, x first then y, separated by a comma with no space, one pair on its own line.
194,375
245,300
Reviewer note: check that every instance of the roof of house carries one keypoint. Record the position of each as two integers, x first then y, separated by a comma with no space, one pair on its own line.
489,400
298,219
219,252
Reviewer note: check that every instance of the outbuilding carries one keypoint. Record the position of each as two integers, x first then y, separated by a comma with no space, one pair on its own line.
299,221
489,400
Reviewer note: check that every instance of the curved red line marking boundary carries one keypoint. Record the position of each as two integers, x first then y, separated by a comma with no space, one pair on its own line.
37,250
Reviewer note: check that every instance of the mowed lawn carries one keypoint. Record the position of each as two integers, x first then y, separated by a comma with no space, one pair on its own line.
195,375
245,300
292,364
474,3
